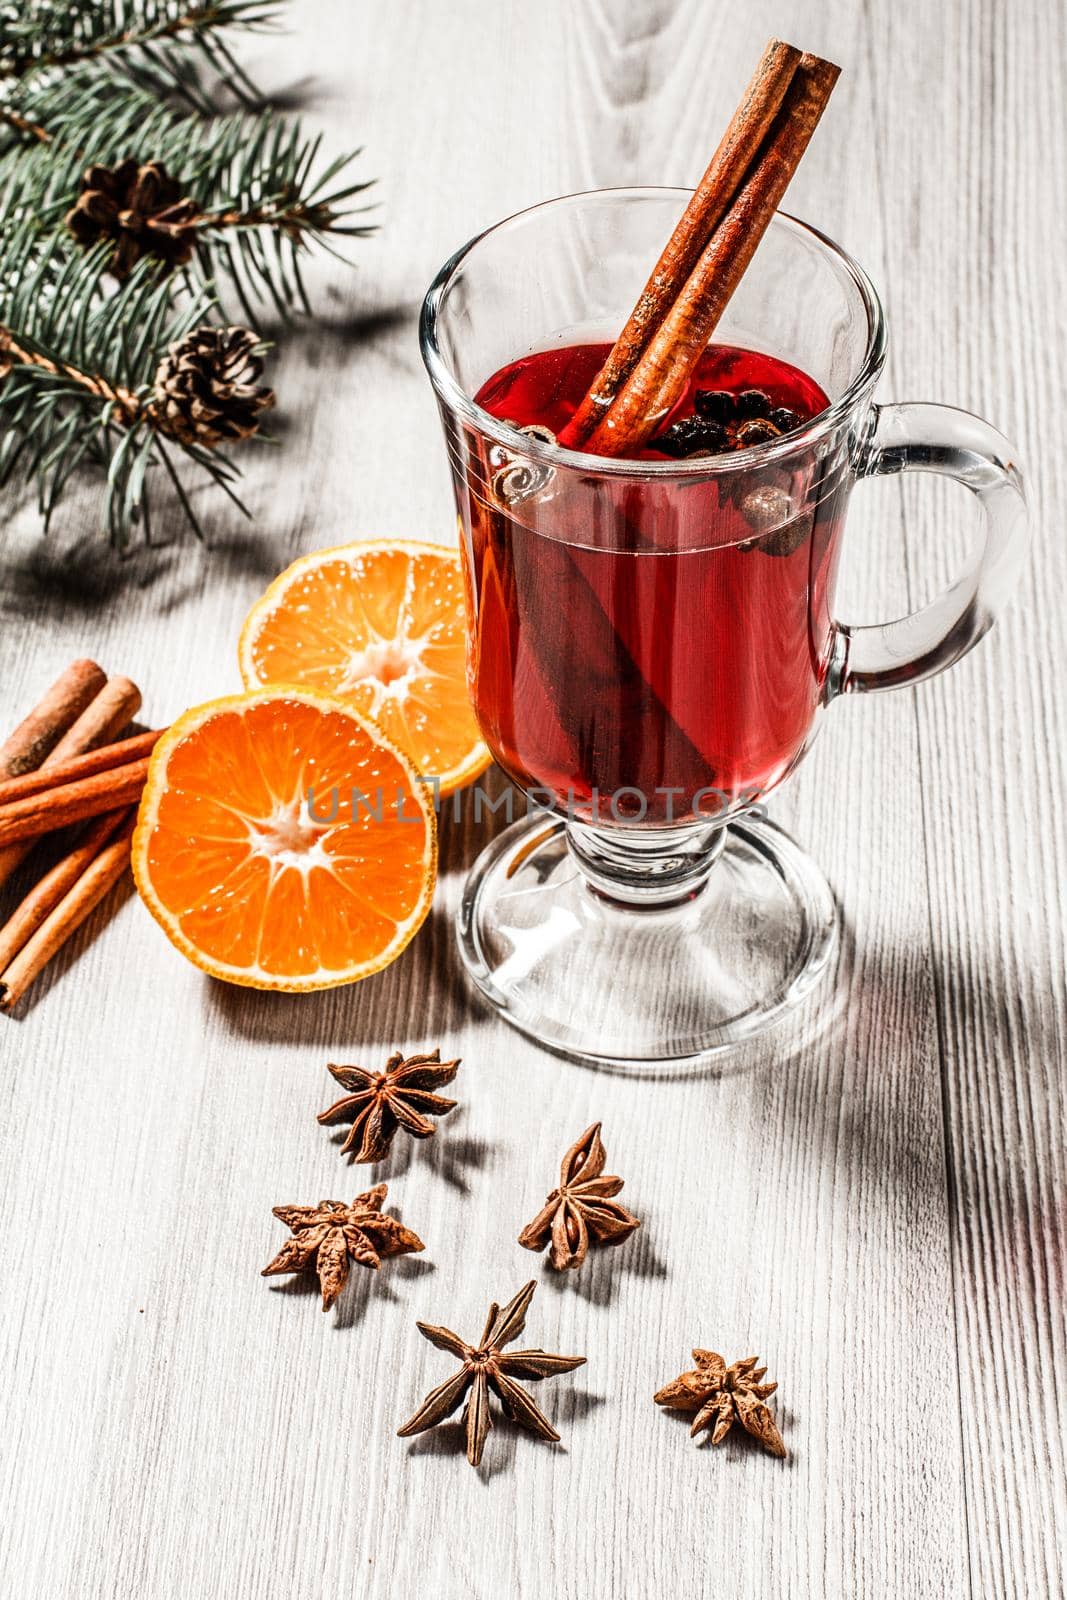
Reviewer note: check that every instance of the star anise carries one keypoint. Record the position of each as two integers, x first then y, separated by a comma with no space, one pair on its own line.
722,1395
486,1366
581,1208
380,1102
331,1232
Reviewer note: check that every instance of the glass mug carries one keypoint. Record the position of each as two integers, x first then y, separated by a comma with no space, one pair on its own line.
651,644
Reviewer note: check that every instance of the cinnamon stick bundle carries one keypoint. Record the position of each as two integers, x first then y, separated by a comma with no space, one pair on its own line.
109,710
58,767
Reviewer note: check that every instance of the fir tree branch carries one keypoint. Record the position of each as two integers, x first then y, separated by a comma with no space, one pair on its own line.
257,196
124,406
79,379
61,33
82,110
111,135
23,125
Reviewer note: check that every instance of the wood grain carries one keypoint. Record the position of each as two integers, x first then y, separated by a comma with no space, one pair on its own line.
877,1211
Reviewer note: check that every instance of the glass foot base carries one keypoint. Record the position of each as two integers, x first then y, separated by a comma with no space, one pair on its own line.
618,986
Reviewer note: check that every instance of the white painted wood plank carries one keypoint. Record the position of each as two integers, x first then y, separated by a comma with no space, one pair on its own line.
986,332
176,1425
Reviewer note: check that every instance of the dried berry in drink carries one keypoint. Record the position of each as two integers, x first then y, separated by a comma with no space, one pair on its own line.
714,438
673,441
716,404
779,525
753,403
784,419
690,434
767,508
738,487
789,537
758,431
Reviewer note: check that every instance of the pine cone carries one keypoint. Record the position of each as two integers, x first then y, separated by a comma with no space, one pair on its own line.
207,390
142,208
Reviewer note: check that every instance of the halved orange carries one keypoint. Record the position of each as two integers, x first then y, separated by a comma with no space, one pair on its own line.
381,625
251,882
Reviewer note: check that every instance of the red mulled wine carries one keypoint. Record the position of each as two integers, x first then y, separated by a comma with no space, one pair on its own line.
650,649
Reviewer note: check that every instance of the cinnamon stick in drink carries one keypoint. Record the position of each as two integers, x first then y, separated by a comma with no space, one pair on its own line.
666,362
717,188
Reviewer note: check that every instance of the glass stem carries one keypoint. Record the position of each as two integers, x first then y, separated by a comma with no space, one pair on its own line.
646,868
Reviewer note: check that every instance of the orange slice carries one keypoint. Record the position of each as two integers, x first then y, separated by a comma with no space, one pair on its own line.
253,885
381,625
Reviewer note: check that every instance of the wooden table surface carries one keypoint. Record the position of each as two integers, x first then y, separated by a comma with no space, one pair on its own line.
879,1214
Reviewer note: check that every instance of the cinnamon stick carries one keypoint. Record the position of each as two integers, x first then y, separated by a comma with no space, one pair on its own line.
104,871
113,706
47,894
662,373
738,147
107,715
71,802
101,759
37,734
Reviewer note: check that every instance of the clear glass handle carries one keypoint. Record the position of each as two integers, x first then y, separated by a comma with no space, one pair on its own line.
935,438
